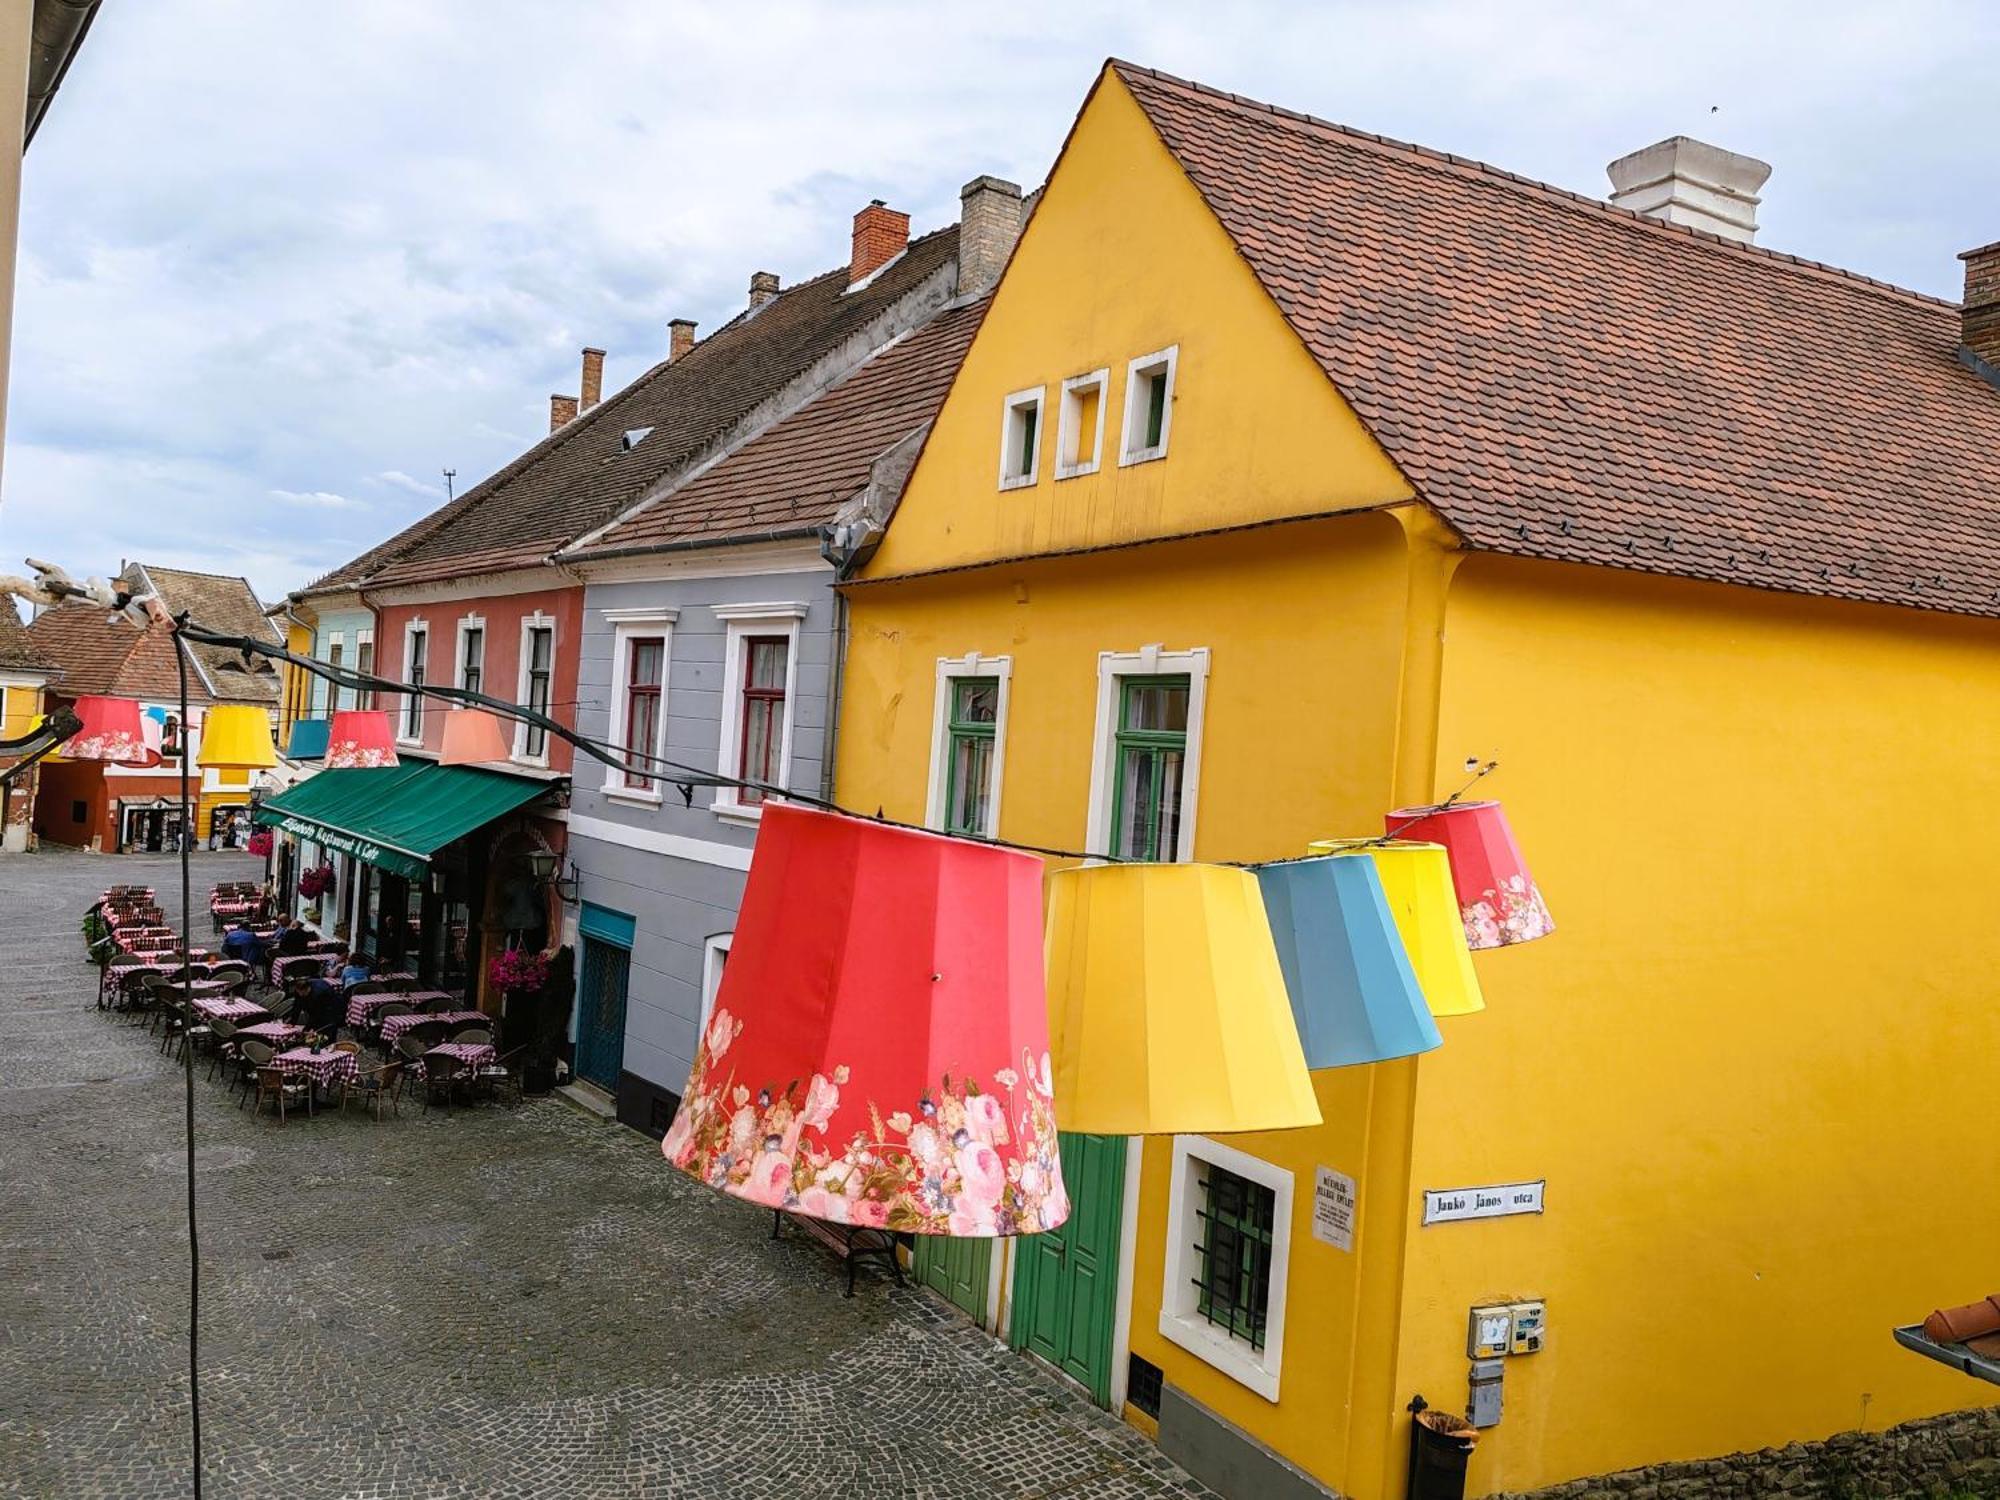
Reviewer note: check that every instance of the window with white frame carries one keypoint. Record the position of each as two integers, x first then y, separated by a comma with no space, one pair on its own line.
759,705
364,663
1149,406
968,744
714,959
416,661
641,643
538,658
1080,424
335,649
472,654
1145,775
1020,439
1229,1223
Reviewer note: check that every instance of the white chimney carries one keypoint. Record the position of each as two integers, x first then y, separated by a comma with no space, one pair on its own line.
1690,182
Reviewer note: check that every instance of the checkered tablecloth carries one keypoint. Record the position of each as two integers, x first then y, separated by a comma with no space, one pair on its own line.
229,1008
471,1055
278,1034
323,1068
361,1008
233,908
397,976
305,963
395,1026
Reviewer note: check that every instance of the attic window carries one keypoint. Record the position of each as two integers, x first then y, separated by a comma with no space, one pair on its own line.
1080,424
634,436
1020,439
1149,406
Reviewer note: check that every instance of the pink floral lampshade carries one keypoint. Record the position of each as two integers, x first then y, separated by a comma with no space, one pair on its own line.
878,1054
1497,896
111,731
360,739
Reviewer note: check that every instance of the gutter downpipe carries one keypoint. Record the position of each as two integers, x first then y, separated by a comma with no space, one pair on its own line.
1375,1441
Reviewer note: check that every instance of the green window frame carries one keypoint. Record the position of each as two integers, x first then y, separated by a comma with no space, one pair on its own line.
1233,1287
972,725
1150,766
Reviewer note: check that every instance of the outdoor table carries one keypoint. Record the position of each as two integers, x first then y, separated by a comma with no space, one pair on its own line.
228,1008
310,963
323,1069
361,1008
197,989
472,1056
278,1034
399,976
324,946
395,1026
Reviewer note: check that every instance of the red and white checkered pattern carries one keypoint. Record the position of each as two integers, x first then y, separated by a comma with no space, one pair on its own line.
323,1068
361,1008
472,1055
229,1008
395,1026
275,1034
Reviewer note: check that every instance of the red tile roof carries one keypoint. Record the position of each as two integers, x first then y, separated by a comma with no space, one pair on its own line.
17,648
228,604
98,657
795,473
1561,379
583,475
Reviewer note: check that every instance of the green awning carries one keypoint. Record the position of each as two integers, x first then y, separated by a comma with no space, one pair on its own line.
398,817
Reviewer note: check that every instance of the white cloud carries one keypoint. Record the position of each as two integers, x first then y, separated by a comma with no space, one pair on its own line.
327,279
325,499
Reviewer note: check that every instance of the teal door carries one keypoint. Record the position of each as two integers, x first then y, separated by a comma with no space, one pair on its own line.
600,1016
957,1270
1066,1283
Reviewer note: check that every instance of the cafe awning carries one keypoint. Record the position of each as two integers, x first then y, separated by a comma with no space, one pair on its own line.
399,816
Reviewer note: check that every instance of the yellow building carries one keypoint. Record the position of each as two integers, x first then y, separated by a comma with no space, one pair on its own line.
1289,468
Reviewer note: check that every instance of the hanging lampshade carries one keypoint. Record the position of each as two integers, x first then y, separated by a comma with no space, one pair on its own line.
150,730
236,737
1167,1008
878,1053
473,736
1497,897
1416,878
111,731
360,739
1354,995
310,738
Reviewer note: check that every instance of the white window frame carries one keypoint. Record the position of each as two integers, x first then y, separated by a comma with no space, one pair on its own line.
535,621
1131,426
628,625
1016,402
972,664
740,622
335,641
1147,661
1066,423
1181,1321
411,630
466,624
364,638
714,951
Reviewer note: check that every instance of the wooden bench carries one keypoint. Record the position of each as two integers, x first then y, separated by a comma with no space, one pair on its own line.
847,1241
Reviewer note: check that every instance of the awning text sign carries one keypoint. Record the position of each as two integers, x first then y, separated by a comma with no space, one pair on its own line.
393,860
1448,1205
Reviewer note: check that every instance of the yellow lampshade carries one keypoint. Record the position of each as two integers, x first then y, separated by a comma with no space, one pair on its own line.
236,737
1167,1008
1417,880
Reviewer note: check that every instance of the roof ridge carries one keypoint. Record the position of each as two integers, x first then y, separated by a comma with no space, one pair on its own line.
1566,196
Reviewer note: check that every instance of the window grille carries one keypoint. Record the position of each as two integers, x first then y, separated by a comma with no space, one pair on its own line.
1234,1284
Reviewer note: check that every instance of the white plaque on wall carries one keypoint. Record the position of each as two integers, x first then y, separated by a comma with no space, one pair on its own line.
1333,1208
1445,1205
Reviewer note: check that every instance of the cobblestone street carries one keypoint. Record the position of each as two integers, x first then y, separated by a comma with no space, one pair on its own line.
508,1302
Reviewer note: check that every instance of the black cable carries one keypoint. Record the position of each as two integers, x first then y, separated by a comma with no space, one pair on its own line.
187,1058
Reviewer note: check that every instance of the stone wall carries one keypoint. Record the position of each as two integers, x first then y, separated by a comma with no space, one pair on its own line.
1952,1457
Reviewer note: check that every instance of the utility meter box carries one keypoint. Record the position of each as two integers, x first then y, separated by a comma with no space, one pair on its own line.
1482,1407
1489,1331
1527,1321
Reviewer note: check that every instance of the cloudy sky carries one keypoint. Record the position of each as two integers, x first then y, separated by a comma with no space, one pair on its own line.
283,262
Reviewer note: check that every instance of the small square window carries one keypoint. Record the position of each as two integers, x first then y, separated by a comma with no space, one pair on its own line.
1021,439
1149,406
1080,424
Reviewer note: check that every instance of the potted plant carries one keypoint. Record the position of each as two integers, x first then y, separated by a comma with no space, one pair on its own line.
522,979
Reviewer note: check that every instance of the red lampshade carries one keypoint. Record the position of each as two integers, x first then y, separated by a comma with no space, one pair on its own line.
360,739
878,1053
472,737
1497,896
111,731
149,757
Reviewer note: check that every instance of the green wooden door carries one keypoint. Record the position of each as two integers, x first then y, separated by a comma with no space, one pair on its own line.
957,1270
1066,1283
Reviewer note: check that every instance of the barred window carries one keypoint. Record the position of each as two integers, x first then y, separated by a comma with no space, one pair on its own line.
1233,1255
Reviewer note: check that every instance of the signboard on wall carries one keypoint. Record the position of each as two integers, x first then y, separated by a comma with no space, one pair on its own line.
1447,1205
1333,1208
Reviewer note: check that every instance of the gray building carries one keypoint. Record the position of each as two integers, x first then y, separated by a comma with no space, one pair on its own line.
710,640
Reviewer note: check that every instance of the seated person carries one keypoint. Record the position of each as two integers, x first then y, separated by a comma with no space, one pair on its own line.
293,939
354,969
241,943
319,1004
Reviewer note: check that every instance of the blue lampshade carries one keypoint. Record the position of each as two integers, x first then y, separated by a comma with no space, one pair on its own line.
1354,995
309,739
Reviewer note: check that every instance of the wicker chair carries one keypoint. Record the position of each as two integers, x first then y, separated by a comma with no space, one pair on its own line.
223,1053
440,1002
279,1087
441,1075
411,1048
376,1087
252,1056
477,1036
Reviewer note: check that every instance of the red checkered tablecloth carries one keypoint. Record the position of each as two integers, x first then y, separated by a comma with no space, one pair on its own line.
397,976
323,1068
361,1008
229,1008
304,963
471,1055
395,1026
277,1034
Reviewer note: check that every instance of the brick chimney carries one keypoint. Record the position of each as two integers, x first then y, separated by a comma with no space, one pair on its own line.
989,221
593,379
680,337
880,235
1685,181
763,288
1979,313
562,409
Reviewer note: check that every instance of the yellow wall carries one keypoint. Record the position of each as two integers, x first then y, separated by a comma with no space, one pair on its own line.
1747,1060
19,707
1122,259
295,691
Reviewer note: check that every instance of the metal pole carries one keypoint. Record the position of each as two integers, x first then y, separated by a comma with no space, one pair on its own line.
187,1057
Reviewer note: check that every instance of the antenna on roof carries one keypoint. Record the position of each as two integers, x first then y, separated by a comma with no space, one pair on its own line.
449,476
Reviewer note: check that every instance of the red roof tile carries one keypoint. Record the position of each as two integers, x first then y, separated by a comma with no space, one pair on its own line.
98,657
1566,380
